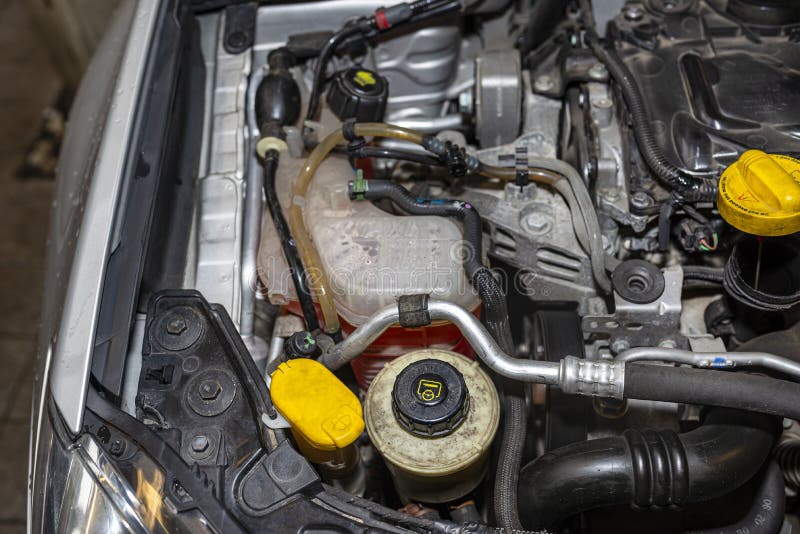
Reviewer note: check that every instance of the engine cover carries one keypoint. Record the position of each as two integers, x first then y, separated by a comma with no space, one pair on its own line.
716,85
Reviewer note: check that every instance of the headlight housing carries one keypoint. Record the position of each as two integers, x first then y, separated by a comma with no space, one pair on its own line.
76,487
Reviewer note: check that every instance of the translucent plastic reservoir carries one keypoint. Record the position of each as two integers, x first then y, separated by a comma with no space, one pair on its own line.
371,256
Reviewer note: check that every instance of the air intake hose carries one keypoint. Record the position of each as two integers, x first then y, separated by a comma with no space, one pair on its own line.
646,468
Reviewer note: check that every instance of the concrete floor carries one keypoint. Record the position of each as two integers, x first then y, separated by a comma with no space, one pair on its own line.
29,84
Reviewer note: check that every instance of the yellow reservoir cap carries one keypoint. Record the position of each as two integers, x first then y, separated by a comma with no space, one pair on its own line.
760,194
320,408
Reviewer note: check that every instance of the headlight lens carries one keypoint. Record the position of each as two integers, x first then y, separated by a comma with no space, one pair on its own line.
77,488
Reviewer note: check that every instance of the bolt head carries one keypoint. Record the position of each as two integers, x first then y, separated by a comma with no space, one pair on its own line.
667,344
210,390
536,222
633,12
598,72
177,326
543,83
199,444
640,199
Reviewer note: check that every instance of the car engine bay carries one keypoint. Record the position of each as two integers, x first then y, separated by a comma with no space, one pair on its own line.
478,266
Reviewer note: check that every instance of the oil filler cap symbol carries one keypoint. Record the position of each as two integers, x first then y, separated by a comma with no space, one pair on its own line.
430,398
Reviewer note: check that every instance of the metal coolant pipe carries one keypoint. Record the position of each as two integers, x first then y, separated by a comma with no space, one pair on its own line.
573,375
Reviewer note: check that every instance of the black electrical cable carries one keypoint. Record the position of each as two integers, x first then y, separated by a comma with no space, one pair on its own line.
664,216
271,159
742,391
690,188
704,273
496,318
766,513
381,20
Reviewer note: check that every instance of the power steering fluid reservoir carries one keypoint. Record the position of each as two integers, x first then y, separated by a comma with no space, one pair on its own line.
432,414
760,194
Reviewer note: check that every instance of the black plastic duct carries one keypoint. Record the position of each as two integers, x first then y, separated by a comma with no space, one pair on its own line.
647,468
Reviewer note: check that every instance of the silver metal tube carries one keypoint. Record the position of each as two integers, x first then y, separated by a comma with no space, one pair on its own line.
712,360
489,351
477,336
253,208
431,124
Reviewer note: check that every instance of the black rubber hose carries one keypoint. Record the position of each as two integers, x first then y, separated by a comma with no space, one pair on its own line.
766,513
690,188
706,387
497,323
333,42
389,153
271,159
648,468
398,154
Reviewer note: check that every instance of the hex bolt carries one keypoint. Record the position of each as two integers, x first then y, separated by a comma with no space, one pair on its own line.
176,326
598,72
667,344
633,12
536,222
543,83
199,444
641,200
210,390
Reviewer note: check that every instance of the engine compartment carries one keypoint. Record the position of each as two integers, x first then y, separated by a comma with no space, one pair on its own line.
486,266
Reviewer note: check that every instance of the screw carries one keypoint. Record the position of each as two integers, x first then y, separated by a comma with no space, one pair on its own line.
667,344
199,444
543,83
210,390
536,222
176,326
633,12
117,447
598,72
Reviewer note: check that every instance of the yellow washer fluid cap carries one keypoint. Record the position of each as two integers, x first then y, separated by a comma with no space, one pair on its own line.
320,408
760,194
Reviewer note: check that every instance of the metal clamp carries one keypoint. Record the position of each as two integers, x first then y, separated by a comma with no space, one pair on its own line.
596,378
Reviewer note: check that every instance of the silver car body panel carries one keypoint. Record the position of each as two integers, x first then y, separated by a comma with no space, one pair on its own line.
95,236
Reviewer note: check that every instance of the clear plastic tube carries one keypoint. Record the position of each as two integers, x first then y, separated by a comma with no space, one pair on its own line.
315,271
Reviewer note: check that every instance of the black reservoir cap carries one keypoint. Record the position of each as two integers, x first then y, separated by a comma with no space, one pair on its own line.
430,398
358,94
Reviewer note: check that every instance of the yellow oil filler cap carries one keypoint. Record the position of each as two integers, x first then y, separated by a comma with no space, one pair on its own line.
324,414
760,194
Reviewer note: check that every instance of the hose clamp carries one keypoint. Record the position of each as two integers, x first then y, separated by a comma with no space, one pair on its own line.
595,378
